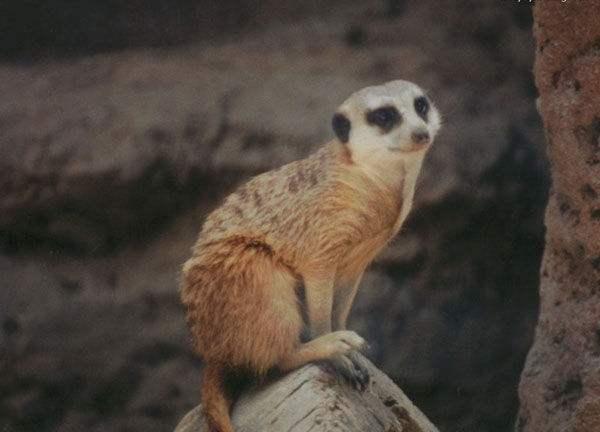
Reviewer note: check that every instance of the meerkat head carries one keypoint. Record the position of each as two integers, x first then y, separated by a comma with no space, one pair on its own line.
389,121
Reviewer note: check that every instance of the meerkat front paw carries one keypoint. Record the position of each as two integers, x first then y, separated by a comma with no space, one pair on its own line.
342,342
342,347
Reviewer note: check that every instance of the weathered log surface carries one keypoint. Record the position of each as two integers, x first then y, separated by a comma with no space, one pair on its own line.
312,399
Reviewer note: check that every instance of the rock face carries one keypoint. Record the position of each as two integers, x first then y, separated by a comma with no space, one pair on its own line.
63,28
99,151
311,399
109,163
560,386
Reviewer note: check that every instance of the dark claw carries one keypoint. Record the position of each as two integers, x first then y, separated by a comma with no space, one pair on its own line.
361,370
352,371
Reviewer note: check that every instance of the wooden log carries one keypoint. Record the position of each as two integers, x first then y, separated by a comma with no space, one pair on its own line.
314,399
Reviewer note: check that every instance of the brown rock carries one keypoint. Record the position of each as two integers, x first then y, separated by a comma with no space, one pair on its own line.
560,385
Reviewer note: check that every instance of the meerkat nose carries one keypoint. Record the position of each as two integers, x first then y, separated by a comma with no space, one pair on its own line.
420,136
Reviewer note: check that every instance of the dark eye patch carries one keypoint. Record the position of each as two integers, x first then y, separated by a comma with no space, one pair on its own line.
341,126
422,107
384,118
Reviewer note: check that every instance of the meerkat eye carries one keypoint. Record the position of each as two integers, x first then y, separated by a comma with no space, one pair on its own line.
422,107
385,117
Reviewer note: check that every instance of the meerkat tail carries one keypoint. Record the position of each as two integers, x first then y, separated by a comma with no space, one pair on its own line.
216,403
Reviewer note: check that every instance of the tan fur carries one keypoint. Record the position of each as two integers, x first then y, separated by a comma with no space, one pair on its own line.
315,223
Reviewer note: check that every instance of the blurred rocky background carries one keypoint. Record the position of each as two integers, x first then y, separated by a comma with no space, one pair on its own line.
123,123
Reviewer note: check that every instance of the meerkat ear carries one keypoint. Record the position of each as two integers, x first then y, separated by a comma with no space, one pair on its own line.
341,127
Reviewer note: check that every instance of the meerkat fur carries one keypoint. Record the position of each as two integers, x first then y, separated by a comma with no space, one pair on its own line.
311,227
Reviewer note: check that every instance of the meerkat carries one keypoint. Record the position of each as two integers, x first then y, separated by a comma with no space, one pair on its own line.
287,250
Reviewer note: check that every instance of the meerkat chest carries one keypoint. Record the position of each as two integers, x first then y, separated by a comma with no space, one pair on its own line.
364,250
358,257
408,193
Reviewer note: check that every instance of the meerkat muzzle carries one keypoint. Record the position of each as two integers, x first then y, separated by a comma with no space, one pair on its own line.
420,137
